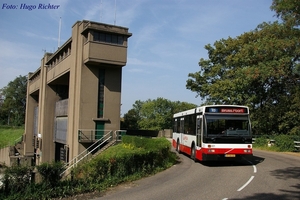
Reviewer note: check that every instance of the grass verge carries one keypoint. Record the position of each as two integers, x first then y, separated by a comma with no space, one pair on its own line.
8,135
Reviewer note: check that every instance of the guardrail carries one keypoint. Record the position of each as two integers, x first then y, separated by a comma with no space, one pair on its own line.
272,142
297,145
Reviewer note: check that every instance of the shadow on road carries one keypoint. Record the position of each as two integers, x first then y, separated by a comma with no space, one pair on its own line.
287,173
287,195
284,174
270,196
254,160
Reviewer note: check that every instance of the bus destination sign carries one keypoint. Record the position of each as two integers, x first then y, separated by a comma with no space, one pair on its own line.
227,110
232,110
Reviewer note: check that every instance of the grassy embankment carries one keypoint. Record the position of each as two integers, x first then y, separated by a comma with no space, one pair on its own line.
134,158
8,135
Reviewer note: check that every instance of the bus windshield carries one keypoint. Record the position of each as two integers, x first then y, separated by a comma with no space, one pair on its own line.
227,125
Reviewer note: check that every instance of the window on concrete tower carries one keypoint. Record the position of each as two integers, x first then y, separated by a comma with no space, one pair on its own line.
101,93
108,38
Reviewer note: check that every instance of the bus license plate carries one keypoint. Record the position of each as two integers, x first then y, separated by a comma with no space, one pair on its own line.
230,155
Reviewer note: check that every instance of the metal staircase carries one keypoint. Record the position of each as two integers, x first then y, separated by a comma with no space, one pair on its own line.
98,146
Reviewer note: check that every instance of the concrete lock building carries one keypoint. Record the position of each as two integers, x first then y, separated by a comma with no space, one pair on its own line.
74,97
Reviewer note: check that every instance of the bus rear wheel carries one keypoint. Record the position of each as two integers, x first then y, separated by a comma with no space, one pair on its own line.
193,153
178,147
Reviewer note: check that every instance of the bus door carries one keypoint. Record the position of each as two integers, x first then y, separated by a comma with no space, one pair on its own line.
181,130
199,131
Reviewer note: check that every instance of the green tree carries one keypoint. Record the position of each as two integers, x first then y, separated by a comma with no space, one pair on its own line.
153,114
13,104
288,11
130,120
258,69
132,117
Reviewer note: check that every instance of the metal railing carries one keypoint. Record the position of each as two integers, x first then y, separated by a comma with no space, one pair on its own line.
97,144
108,137
119,134
90,135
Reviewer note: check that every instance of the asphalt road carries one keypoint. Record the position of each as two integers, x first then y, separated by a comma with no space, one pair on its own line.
267,175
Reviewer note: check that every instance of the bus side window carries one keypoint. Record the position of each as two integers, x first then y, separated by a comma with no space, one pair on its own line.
182,125
175,126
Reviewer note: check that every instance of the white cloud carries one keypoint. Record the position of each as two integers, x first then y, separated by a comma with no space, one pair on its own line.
145,35
15,51
34,35
94,12
16,59
128,11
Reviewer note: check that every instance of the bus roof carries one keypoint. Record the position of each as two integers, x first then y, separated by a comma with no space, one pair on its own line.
186,112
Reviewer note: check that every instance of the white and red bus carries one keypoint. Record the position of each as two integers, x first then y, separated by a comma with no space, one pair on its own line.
213,132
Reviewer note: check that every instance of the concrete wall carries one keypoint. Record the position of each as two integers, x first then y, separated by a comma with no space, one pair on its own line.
150,133
4,156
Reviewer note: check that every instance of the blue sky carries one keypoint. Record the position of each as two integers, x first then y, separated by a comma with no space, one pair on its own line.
167,43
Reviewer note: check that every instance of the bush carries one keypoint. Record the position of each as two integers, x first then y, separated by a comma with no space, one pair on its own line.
134,157
50,172
261,141
284,143
16,179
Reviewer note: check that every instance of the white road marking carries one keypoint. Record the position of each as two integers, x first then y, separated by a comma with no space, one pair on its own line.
251,178
254,168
